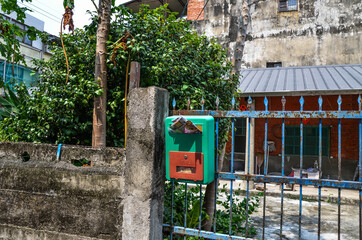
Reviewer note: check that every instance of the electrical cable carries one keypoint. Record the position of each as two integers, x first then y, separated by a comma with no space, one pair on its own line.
183,11
46,12
65,52
125,102
202,10
40,13
46,6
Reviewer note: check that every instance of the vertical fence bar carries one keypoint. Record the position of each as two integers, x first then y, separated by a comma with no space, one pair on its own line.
172,199
265,162
231,168
200,207
320,102
231,181
200,212
339,101
360,167
185,219
216,163
231,207
301,101
283,162
172,182
248,172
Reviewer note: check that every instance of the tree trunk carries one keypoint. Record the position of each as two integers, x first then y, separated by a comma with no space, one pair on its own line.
100,74
209,202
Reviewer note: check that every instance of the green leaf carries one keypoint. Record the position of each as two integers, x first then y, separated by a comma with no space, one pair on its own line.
184,87
69,3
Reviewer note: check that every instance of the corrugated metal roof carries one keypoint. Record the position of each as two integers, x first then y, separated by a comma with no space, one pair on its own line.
322,80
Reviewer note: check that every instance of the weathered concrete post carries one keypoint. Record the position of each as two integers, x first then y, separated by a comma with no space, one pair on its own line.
144,173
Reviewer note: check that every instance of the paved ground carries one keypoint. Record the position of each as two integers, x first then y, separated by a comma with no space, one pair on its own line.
349,220
329,229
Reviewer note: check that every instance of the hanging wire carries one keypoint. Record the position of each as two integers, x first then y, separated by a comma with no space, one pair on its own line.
201,11
125,102
183,11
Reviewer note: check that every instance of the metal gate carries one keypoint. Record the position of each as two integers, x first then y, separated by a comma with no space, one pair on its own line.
265,178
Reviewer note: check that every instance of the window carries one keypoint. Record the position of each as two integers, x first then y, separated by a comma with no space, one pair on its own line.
310,140
25,39
288,5
240,135
273,64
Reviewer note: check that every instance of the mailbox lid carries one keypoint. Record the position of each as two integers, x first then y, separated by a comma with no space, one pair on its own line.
186,165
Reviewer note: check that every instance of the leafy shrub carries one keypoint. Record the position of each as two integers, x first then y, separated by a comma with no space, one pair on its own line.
171,55
57,112
238,213
223,207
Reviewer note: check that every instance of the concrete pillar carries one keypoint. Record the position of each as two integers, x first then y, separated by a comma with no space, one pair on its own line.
144,174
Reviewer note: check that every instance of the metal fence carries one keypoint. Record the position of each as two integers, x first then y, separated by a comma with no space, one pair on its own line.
265,178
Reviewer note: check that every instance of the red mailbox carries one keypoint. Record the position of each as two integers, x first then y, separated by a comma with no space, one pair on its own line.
186,165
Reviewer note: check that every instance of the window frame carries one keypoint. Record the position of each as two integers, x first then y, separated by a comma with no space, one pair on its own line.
240,135
274,64
294,144
286,7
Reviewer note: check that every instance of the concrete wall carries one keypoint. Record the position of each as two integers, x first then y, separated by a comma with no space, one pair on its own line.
119,197
48,199
254,32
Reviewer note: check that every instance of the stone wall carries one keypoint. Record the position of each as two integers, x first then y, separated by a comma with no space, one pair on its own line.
255,32
119,196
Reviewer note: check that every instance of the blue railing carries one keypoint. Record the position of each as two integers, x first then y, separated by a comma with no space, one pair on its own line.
265,178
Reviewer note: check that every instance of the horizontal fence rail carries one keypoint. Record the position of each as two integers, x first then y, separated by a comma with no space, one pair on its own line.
272,114
248,176
291,180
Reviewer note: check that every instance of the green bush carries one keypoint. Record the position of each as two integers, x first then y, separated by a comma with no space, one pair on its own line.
223,207
57,112
171,54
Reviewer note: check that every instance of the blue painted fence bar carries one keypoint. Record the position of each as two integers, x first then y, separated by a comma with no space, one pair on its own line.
248,176
283,163
320,103
265,163
301,101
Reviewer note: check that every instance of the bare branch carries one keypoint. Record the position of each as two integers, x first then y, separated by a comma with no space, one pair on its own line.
95,5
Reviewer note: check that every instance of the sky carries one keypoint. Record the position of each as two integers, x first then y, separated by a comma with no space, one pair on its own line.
51,12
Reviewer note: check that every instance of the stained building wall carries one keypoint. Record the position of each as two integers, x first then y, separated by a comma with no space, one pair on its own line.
255,32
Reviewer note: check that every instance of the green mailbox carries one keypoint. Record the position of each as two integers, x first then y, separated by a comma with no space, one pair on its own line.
190,150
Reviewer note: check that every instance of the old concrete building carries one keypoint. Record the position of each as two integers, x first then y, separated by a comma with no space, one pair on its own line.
265,33
29,49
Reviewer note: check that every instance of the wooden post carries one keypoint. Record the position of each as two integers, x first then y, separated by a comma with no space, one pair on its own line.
134,82
135,75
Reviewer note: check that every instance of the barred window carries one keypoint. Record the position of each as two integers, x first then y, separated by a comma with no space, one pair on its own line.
310,140
288,5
